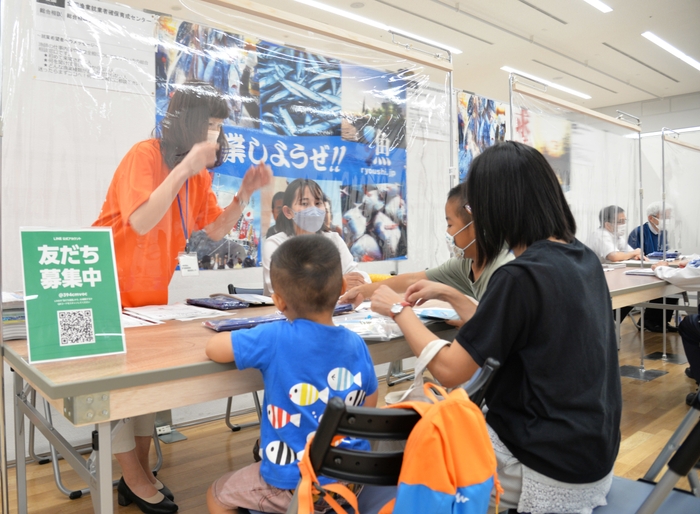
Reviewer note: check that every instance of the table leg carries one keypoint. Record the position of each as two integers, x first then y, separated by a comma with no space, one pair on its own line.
101,484
663,323
17,389
641,341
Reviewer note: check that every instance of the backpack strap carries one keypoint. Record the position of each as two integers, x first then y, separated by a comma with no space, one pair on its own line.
309,484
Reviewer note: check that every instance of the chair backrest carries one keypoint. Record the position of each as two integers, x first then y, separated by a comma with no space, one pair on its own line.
362,467
477,389
243,290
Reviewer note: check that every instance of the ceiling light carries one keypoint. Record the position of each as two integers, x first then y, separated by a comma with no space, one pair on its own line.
547,82
658,133
671,49
376,24
599,5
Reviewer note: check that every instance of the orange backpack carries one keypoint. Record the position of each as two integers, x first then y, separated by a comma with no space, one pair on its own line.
449,464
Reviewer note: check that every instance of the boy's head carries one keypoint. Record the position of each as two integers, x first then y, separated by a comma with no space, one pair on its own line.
306,273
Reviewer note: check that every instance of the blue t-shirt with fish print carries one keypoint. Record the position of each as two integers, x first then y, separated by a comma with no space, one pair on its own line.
303,364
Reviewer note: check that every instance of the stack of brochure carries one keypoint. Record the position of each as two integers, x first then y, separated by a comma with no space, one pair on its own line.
14,325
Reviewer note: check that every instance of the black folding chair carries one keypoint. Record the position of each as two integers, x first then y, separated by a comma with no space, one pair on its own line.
646,497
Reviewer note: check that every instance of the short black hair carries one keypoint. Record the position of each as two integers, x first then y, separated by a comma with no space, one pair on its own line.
516,199
279,195
459,194
609,214
306,271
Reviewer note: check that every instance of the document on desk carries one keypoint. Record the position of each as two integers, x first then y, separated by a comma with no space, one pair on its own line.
178,311
647,272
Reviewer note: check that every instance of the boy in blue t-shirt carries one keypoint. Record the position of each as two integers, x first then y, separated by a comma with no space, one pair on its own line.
304,362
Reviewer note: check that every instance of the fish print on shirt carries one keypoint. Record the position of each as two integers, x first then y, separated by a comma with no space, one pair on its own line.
355,398
306,394
279,417
279,453
340,379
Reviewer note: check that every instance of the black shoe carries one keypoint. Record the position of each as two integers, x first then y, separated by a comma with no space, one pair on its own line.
166,492
653,327
256,451
688,373
690,398
126,497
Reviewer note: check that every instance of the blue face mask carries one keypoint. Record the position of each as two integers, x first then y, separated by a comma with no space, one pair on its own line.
310,219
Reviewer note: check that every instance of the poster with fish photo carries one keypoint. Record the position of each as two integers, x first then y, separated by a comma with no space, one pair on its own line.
299,92
288,110
374,107
374,221
481,123
189,51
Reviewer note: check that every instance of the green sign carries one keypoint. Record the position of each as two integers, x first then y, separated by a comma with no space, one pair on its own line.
71,294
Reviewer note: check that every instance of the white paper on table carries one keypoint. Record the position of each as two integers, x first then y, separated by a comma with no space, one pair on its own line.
178,311
130,321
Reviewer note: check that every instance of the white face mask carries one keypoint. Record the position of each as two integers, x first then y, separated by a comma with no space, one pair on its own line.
622,230
310,219
456,251
212,136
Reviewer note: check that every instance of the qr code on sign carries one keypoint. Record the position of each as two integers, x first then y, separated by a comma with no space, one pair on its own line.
75,327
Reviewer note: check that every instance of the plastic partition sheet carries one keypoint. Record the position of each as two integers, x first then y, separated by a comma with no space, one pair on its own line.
85,81
682,175
597,163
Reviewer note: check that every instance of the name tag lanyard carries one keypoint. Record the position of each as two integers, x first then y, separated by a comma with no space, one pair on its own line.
184,219
188,261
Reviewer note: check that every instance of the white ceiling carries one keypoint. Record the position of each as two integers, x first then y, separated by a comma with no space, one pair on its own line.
575,45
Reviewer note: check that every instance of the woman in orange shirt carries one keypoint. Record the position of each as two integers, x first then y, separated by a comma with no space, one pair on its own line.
160,194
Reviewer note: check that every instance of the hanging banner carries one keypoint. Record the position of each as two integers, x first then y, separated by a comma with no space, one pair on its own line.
71,294
481,122
307,116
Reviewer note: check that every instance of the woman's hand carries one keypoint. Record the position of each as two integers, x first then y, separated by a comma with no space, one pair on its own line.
425,290
255,178
383,298
354,279
202,155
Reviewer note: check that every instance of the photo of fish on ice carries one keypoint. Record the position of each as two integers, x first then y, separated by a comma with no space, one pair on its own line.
374,106
374,221
189,51
299,92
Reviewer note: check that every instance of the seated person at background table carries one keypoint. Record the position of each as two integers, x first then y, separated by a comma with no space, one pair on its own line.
277,201
304,362
654,238
554,406
160,193
608,241
653,228
462,271
303,212
687,276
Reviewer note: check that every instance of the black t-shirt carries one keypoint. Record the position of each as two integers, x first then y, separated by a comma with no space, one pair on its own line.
556,401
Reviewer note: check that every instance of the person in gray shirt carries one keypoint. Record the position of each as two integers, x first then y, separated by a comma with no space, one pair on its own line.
462,271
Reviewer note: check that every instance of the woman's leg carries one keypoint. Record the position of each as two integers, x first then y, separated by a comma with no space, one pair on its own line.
128,446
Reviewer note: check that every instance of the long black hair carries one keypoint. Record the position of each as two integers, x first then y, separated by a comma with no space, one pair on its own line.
516,199
185,124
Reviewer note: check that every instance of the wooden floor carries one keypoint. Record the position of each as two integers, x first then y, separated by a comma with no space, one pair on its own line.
652,410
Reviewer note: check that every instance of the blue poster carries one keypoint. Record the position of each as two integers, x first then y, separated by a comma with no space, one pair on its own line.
306,116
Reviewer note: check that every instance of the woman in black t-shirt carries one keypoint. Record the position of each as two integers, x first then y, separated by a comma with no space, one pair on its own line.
555,404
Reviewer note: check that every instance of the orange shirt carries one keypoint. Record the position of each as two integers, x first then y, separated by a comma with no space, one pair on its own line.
145,264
